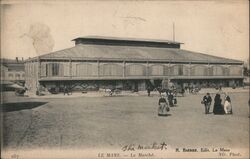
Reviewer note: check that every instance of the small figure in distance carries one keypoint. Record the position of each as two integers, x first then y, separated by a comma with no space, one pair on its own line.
65,90
148,90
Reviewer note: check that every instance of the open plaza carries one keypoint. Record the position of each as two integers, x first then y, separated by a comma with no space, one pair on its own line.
81,121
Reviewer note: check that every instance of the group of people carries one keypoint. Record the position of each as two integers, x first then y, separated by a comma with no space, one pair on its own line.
219,107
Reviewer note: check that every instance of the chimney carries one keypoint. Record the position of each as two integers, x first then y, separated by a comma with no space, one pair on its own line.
16,59
22,58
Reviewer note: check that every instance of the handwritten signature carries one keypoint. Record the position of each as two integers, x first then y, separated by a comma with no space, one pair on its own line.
154,146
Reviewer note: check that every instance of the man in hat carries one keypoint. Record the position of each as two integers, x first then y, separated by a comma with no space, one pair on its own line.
207,100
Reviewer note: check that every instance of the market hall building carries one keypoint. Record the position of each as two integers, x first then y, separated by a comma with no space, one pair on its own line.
129,64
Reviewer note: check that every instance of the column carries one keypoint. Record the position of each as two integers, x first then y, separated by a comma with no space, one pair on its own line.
189,69
98,68
70,68
147,69
124,69
169,69
39,68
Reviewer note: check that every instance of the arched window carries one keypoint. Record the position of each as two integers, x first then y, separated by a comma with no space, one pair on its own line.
199,70
17,76
235,71
176,70
218,70
86,69
111,70
135,70
10,75
156,70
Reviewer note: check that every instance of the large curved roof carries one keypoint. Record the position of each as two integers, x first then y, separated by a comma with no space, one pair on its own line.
102,52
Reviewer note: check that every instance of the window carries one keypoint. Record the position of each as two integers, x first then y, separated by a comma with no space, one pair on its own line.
86,69
218,70
235,71
180,70
52,69
177,70
156,70
17,76
111,70
55,69
199,70
10,75
135,70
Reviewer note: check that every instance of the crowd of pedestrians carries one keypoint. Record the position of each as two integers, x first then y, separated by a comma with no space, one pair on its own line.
221,103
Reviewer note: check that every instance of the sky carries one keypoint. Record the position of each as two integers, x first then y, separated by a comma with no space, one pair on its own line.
32,28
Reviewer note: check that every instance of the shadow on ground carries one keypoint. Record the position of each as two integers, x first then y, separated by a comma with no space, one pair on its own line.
10,107
164,115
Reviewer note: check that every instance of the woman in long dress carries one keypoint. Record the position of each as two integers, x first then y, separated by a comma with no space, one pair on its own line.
218,108
163,107
170,98
228,105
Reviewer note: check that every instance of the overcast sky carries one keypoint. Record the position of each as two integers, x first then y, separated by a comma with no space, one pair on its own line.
33,28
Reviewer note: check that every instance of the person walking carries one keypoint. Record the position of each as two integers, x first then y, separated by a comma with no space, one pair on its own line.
148,90
162,106
65,90
170,98
207,100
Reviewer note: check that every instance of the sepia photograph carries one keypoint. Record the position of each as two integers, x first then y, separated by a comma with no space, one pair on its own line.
132,79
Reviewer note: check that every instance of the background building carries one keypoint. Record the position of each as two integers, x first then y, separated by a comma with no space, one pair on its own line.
129,64
12,70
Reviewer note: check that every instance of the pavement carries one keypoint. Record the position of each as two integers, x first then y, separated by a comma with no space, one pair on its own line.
113,122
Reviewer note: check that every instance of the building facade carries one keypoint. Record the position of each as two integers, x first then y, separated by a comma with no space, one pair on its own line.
12,70
129,64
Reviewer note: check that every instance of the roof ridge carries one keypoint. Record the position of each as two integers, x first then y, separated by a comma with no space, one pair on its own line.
56,51
126,39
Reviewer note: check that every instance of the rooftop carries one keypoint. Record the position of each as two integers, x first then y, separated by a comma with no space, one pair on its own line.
100,40
126,39
13,65
114,52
